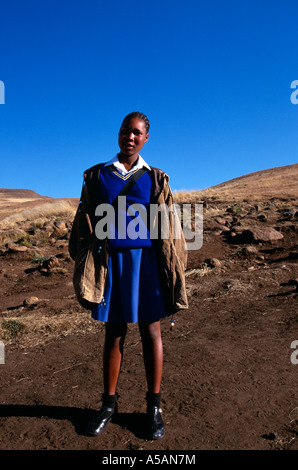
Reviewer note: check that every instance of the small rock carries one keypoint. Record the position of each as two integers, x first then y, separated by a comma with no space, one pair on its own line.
264,234
59,231
238,229
49,263
213,262
262,217
61,243
13,247
227,284
289,213
219,229
249,250
31,301
47,228
220,220
60,225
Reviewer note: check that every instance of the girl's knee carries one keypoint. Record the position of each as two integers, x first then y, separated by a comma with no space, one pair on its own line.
115,332
150,332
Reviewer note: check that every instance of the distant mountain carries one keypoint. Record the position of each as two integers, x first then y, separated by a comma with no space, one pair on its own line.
20,193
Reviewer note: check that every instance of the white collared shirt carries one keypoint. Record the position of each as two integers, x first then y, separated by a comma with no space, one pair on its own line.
121,168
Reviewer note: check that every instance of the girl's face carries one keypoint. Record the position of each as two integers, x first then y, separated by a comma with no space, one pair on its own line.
132,136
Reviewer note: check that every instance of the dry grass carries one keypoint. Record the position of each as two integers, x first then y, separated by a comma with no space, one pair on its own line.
40,213
187,197
33,328
12,200
199,272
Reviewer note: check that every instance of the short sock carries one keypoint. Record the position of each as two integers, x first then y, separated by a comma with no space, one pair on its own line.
109,400
153,399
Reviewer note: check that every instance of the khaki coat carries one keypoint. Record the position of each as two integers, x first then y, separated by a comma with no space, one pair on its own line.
91,255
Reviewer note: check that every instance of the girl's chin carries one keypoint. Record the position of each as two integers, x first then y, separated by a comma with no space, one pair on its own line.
128,153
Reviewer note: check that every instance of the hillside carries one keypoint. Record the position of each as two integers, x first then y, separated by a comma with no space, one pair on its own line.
20,193
20,205
279,181
275,182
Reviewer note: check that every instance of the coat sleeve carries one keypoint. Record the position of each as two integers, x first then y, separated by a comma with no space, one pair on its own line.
178,239
172,254
82,231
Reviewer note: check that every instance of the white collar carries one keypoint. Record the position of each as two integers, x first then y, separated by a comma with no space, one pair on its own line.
140,163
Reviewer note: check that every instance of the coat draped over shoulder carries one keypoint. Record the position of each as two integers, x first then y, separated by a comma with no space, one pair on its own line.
91,256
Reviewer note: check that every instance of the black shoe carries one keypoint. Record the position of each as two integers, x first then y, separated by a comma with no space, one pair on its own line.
155,424
98,422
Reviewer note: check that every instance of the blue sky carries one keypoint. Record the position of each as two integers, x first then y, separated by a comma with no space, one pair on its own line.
213,77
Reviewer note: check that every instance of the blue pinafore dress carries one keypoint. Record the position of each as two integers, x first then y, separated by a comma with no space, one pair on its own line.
133,290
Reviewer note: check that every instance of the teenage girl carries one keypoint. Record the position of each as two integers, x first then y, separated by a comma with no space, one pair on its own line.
133,289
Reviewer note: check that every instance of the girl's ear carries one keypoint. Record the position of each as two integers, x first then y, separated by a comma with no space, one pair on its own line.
147,137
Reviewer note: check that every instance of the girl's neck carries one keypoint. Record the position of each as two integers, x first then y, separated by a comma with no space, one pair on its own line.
128,161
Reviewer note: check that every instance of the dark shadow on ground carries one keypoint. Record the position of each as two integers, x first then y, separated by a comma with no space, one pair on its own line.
79,417
134,422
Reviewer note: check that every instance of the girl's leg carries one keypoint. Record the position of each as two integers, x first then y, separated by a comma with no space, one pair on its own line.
153,354
153,360
113,355
112,359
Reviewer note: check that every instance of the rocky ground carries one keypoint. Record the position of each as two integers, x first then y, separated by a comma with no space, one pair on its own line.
230,362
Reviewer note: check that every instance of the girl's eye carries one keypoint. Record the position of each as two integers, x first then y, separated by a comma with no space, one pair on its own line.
128,131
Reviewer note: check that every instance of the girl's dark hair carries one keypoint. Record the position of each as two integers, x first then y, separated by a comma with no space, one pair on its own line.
137,114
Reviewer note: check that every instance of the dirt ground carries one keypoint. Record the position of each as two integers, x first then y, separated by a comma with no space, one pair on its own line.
229,379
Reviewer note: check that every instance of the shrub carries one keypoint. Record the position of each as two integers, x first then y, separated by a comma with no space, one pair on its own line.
38,259
12,328
238,209
26,240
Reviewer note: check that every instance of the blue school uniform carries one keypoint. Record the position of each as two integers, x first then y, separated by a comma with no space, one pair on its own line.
133,291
